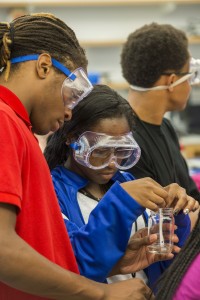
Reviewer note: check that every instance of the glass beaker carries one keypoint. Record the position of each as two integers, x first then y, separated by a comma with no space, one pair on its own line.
162,224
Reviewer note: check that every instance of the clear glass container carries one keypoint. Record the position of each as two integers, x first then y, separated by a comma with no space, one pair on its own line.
162,224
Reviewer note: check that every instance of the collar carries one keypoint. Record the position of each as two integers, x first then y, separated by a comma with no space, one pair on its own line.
13,101
74,179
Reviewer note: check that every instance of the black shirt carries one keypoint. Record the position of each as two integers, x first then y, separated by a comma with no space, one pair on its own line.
161,158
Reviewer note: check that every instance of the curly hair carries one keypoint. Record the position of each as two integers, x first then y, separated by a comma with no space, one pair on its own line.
36,34
152,50
102,103
171,278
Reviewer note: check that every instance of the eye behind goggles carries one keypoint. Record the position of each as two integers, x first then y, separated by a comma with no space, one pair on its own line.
97,150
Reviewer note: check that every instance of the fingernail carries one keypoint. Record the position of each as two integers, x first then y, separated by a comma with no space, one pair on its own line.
186,211
176,211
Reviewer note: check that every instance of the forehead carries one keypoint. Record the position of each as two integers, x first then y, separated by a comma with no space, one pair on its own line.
112,126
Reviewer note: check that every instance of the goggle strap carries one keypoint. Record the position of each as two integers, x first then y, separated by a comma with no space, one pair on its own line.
162,87
55,63
142,89
74,146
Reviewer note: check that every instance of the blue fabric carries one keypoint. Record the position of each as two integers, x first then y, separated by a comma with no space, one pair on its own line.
100,243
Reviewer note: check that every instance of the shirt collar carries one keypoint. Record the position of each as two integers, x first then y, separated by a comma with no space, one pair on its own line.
13,101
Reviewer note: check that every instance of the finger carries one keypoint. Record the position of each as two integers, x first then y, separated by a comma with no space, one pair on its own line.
176,249
175,239
137,243
181,203
196,206
172,193
191,202
161,257
161,192
156,199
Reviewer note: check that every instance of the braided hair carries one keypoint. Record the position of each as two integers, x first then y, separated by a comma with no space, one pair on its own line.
171,278
36,34
102,103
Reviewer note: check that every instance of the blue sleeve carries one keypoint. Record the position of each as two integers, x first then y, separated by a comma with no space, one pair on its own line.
155,270
100,243
183,223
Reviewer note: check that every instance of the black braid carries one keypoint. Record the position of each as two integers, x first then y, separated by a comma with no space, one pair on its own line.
172,277
39,33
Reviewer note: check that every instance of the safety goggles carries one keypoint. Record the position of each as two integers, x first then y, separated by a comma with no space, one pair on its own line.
74,88
195,71
193,76
97,150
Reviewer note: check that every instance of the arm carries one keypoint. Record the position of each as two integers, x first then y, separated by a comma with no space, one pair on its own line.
45,279
25,269
100,243
109,224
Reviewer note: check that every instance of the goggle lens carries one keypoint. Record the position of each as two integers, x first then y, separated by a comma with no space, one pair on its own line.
73,91
97,150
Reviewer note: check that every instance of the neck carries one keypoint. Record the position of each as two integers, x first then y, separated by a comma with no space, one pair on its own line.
149,106
96,190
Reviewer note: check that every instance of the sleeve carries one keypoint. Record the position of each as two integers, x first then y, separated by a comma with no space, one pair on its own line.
100,243
12,147
183,223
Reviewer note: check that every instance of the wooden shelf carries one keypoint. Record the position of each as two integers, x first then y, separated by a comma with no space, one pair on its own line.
11,3
103,43
118,85
113,43
194,40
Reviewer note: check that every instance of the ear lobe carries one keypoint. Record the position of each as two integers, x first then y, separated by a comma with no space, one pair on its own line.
170,81
69,140
171,88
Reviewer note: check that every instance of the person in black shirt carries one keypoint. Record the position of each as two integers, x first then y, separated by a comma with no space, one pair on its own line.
156,63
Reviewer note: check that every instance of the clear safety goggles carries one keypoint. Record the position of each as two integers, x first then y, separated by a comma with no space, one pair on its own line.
97,150
74,88
193,76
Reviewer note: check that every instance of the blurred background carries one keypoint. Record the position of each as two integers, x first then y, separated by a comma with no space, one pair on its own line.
102,27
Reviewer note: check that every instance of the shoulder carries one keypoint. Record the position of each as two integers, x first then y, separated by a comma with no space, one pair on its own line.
168,129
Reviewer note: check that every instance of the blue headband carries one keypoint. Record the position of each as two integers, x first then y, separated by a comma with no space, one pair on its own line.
55,63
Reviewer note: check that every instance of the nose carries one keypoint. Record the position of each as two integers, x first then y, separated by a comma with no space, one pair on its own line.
68,113
112,163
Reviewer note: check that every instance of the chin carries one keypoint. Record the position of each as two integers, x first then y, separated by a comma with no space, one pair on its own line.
40,131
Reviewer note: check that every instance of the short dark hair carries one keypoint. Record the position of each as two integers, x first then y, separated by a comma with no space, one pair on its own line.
36,34
151,50
102,103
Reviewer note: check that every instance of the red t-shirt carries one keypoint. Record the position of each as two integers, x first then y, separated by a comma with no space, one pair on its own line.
25,182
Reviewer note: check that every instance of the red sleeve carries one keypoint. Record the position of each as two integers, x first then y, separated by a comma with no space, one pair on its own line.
12,149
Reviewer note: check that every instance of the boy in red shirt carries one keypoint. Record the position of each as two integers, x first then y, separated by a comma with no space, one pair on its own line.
40,57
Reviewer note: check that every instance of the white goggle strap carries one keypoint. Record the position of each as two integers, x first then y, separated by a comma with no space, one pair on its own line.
162,87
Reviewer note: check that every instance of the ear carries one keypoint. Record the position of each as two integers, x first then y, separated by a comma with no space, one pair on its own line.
68,113
43,65
171,79
69,140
